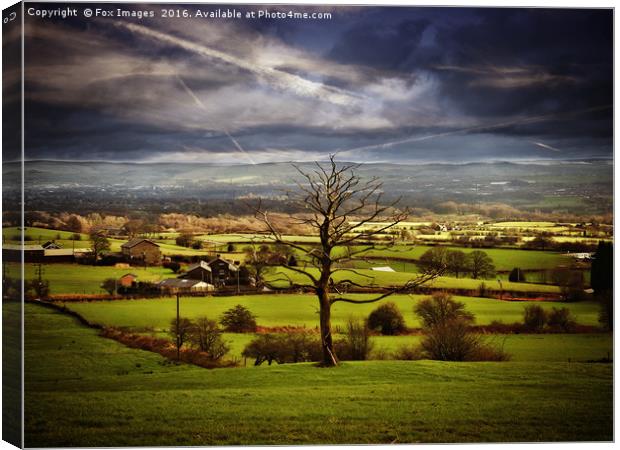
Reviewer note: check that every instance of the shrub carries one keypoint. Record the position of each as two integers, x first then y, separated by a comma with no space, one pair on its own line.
184,240
206,336
357,344
181,332
239,320
447,332
172,265
448,341
266,347
109,285
300,347
560,318
286,348
388,319
408,353
534,318
440,308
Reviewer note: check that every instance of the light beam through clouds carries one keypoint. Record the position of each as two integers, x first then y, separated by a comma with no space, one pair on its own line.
202,106
276,78
546,146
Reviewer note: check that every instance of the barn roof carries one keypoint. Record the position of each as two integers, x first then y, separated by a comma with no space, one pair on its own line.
133,242
231,266
180,283
199,265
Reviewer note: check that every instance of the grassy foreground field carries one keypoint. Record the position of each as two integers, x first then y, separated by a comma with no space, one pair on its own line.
83,390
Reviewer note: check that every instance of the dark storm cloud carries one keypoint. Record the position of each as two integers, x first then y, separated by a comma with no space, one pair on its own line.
374,83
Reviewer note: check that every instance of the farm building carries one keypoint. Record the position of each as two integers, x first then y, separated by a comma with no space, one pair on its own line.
180,285
199,271
63,255
127,280
143,250
32,253
223,270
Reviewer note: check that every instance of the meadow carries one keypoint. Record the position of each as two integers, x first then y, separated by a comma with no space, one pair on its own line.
299,310
84,390
282,277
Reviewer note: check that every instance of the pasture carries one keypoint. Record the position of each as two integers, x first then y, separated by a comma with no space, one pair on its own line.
83,279
299,310
84,390
282,277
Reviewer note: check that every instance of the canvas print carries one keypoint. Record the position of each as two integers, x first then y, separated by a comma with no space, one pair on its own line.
258,224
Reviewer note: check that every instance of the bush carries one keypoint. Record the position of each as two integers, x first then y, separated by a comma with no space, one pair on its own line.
534,318
447,332
561,319
206,337
388,319
172,265
181,332
109,285
288,348
239,320
357,344
440,308
266,347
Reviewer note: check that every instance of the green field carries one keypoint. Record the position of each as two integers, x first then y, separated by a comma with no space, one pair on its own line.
35,235
83,390
83,279
298,310
503,259
371,278
520,347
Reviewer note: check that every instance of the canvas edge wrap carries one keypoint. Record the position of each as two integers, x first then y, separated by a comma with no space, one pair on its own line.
12,199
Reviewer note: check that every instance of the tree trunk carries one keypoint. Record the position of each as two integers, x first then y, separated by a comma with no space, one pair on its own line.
329,356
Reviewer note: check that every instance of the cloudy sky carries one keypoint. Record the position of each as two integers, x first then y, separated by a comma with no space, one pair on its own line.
390,84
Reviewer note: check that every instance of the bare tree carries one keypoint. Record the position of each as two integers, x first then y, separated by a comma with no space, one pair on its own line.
340,206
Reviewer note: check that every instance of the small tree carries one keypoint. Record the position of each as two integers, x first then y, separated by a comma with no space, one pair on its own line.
456,262
447,332
184,239
109,285
337,204
440,308
534,318
180,334
480,265
434,258
99,243
387,318
239,320
206,336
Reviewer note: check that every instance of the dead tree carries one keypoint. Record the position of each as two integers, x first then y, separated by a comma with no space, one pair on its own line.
339,205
